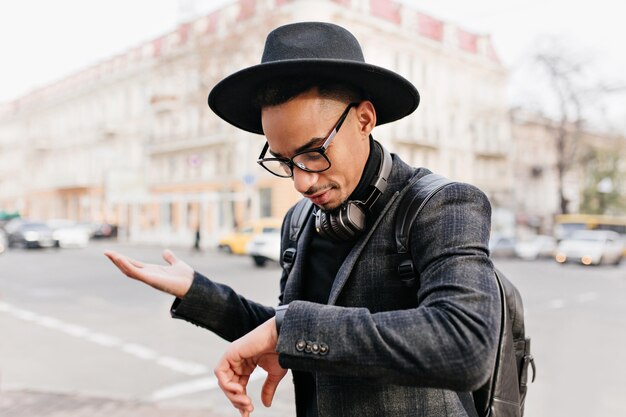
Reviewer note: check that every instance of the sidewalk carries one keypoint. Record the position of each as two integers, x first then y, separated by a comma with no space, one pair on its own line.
40,404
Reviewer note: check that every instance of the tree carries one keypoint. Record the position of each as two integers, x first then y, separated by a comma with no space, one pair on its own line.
604,181
571,97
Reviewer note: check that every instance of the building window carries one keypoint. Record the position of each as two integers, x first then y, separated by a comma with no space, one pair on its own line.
166,215
265,197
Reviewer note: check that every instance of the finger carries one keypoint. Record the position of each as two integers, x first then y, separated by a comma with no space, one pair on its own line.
226,379
240,401
269,389
236,393
136,263
127,267
111,255
231,387
116,259
169,257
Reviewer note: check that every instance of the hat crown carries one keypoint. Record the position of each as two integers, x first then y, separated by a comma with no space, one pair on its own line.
311,40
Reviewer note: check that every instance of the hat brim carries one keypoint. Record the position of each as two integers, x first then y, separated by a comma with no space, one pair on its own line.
233,99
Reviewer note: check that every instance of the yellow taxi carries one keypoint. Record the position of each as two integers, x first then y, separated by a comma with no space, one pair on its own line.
237,241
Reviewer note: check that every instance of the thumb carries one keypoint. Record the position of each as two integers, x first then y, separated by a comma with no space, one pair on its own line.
269,388
169,257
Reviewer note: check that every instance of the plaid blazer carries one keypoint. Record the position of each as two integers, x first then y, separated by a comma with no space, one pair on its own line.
387,350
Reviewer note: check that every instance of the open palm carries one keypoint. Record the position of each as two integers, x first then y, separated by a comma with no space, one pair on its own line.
174,278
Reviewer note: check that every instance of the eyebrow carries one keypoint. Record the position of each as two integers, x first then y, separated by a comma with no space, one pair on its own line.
310,144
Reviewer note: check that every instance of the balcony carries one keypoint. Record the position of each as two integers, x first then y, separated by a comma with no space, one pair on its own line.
163,103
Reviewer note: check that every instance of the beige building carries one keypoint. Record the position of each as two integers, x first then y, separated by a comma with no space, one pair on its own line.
131,140
535,168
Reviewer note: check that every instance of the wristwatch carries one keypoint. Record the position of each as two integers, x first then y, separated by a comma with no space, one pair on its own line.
280,313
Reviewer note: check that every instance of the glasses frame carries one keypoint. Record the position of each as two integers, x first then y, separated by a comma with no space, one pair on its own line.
321,150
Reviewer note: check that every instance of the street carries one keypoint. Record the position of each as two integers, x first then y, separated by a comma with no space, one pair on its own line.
71,323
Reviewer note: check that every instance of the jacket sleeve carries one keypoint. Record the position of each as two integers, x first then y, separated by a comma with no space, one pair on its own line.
218,308
448,341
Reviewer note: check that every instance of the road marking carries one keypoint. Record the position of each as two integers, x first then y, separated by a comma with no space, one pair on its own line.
74,330
587,297
188,368
23,314
139,351
191,387
556,304
49,322
106,340
196,385
103,339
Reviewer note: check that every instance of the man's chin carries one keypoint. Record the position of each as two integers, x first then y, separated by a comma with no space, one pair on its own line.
330,206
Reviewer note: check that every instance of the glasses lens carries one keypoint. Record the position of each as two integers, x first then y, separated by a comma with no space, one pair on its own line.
311,161
277,168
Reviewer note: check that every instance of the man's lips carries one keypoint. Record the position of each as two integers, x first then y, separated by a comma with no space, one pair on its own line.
320,198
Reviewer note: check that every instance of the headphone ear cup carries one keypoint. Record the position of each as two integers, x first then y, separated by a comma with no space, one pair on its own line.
339,230
322,225
343,224
352,219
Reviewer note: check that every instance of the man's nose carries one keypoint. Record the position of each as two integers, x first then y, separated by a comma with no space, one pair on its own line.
303,180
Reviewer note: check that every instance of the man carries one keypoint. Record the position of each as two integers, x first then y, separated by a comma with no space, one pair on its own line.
358,341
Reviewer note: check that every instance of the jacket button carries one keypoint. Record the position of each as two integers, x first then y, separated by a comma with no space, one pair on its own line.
323,349
300,345
307,349
315,348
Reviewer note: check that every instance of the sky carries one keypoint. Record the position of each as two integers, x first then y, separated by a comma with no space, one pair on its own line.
42,41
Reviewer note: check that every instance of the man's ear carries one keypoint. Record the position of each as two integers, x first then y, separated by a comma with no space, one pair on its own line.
366,115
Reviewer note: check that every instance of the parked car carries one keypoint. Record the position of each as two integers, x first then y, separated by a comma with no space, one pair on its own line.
67,233
539,246
103,230
28,234
237,242
591,247
265,247
501,246
4,243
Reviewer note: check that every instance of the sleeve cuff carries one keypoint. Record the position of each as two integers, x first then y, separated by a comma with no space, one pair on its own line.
280,314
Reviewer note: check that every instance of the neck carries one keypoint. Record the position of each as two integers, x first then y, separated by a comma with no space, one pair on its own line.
363,188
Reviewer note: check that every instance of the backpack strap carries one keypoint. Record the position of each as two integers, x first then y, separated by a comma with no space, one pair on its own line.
410,207
300,214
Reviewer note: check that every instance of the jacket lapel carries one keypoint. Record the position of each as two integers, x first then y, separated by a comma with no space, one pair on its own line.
346,268
293,286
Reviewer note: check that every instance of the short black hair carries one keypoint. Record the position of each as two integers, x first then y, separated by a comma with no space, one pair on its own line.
280,91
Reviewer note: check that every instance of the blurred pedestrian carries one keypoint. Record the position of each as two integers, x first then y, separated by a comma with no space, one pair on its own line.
196,242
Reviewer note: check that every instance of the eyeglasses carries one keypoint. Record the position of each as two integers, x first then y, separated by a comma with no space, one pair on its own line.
310,160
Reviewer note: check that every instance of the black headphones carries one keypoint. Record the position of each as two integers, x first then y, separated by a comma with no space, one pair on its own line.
349,220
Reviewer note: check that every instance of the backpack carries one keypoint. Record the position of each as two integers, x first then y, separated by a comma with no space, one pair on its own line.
503,395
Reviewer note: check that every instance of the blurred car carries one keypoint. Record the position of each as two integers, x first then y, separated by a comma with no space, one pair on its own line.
539,246
103,230
4,243
265,247
237,242
591,247
501,246
28,234
69,234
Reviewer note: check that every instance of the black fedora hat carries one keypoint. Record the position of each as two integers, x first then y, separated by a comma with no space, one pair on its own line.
309,49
